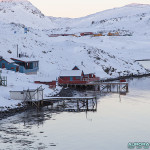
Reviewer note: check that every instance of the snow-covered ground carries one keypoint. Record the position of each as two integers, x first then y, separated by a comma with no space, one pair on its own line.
20,82
105,56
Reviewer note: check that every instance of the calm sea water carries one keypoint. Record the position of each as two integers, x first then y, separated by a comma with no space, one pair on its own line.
119,119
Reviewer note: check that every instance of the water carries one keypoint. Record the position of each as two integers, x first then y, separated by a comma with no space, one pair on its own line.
119,120
145,64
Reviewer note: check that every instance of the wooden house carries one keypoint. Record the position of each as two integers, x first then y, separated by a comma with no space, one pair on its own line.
27,66
76,76
24,66
71,77
8,64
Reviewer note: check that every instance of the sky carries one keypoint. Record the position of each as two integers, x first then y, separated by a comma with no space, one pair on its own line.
79,8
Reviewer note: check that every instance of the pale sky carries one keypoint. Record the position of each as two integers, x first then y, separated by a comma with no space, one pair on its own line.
79,8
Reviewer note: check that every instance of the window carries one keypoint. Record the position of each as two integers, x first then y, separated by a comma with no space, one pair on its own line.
78,78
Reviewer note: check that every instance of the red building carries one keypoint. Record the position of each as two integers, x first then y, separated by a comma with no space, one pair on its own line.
86,33
76,76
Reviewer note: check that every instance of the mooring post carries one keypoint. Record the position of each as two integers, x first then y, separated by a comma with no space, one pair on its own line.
110,87
87,105
77,105
127,89
117,88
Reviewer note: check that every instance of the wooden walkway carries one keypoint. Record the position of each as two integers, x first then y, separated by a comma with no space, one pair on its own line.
54,99
71,104
104,87
112,87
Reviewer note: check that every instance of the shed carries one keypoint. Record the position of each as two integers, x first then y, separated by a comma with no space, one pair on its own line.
28,95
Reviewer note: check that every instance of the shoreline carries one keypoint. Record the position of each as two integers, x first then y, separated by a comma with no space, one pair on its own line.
14,111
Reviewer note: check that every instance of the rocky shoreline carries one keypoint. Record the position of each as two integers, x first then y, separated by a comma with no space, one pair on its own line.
12,111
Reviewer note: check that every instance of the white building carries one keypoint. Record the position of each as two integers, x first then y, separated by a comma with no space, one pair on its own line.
27,95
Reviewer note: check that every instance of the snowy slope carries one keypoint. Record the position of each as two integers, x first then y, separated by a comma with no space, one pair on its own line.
23,12
131,17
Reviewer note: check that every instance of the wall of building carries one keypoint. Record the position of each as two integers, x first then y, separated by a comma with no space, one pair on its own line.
21,95
17,95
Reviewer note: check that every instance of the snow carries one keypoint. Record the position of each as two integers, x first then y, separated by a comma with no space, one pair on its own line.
105,56
73,73
8,60
25,59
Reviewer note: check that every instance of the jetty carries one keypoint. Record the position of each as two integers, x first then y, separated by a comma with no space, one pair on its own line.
103,87
71,104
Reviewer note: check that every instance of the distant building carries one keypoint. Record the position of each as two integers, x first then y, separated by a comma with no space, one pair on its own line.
24,65
86,33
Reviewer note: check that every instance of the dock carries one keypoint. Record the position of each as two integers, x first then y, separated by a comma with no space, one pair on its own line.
103,87
70,104
55,99
111,87
73,104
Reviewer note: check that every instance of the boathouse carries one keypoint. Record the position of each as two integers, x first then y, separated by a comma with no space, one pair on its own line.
76,76
26,65
71,77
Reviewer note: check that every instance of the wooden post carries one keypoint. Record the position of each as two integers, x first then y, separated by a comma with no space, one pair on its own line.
87,105
77,105
127,89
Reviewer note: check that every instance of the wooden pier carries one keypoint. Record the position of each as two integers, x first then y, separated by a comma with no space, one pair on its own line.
111,87
103,87
71,104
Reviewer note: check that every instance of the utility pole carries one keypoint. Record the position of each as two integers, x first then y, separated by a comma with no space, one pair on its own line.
17,51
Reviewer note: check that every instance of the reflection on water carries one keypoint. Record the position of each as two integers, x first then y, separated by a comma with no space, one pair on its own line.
119,119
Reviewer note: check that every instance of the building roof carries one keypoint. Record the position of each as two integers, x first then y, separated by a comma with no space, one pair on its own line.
72,73
75,68
7,59
24,59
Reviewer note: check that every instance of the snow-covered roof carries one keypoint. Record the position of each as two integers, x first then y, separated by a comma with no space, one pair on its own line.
73,73
24,59
8,60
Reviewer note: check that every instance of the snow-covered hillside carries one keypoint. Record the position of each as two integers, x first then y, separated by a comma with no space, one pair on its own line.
132,17
23,12
105,56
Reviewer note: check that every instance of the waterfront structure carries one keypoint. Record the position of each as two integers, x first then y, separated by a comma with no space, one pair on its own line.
76,76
